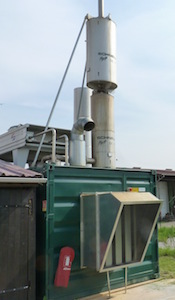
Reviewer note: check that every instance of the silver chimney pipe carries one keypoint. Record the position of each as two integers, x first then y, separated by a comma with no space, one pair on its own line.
80,144
77,142
101,8
82,108
102,78
103,135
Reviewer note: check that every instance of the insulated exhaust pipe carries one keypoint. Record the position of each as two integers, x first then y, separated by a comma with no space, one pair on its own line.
80,144
102,79
77,142
83,124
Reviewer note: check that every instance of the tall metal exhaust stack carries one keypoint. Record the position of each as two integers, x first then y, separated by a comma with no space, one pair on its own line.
101,77
101,8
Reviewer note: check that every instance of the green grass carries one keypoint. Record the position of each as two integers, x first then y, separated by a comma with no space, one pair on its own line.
167,252
166,255
167,267
165,233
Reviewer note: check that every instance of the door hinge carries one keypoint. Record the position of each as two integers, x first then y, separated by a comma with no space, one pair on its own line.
26,287
30,206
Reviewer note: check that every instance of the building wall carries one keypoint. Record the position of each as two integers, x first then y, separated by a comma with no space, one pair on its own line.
162,189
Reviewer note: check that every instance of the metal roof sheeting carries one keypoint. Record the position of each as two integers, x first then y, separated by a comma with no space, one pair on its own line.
9,170
166,172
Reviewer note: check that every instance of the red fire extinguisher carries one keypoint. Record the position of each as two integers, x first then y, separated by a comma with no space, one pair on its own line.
66,258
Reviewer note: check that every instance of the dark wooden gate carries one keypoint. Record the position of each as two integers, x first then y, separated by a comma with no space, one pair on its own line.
17,243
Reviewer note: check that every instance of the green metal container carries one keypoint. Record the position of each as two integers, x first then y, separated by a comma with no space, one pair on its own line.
59,226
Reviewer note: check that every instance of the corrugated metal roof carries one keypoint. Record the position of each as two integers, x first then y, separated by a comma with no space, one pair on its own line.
166,172
9,170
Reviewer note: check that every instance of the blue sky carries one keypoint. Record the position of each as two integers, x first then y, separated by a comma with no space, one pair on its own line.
37,38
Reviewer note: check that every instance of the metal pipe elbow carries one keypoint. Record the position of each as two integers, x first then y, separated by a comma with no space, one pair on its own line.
83,124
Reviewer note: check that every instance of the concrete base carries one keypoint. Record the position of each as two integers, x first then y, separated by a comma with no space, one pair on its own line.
154,289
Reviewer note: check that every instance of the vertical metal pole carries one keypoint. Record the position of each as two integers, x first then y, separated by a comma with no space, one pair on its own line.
126,279
109,286
58,93
97,232
101,8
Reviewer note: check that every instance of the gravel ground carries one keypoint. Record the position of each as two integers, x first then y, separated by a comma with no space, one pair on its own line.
167,224
170,243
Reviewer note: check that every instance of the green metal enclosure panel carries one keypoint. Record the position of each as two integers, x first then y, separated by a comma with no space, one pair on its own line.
64,186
